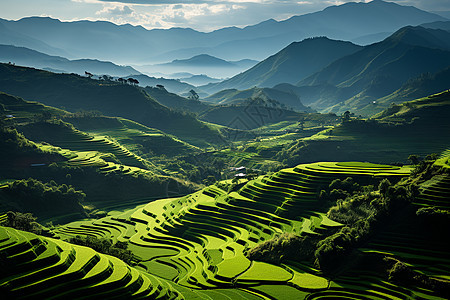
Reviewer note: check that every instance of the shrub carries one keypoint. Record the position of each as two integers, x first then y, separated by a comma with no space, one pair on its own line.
287,246
105,246
22,221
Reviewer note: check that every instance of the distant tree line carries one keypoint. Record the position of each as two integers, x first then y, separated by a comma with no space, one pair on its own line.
32,195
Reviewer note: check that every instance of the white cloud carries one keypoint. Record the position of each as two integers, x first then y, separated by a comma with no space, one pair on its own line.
115,11
204,15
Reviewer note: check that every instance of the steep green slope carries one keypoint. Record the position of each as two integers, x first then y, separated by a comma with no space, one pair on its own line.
76,93
422,86
200,241
248,116
391,137
380,69
274,97
290,65
254,240
97,164
39,267
174,101
32,118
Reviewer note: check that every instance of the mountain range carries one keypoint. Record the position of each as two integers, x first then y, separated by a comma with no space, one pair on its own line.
127,44
380,69
31,58
201,64
337,76
290,65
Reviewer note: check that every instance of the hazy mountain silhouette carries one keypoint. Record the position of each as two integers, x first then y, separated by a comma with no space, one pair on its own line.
171,85
11,37
134,44
201,64
198,80
379,69
290,65
444,25
201,60
31,58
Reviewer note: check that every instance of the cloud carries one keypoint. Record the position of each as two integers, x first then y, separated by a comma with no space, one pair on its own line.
207,15
115,11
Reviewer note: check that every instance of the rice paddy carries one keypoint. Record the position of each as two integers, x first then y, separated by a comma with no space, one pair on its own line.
198,241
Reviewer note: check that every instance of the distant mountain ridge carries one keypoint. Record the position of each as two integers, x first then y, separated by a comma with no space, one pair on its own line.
290,65
200,64
75,93
201,60
31,58
379,69
134,44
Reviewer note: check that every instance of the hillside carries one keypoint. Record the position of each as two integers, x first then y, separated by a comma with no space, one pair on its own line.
171,85
113,155
275,236
45,267
26,57
290,65
421,86
174,101
278,97
392,137
248,115
76,93
379,69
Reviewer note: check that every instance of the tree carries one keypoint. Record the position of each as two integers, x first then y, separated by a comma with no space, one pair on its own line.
301,123
88,74
346,116
414,159
161,87
193,95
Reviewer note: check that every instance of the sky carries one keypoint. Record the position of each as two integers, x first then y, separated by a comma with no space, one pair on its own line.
202,15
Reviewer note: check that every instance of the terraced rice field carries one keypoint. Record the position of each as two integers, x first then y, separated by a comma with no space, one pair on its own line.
198,241
134,135
75,140
45,268
95,159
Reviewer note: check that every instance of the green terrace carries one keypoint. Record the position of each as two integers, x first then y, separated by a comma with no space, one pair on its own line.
199,241
46,268
70,138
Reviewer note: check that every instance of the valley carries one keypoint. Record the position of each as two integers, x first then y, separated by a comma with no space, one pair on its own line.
303,158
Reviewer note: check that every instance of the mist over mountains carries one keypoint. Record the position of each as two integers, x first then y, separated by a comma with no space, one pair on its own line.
126,44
